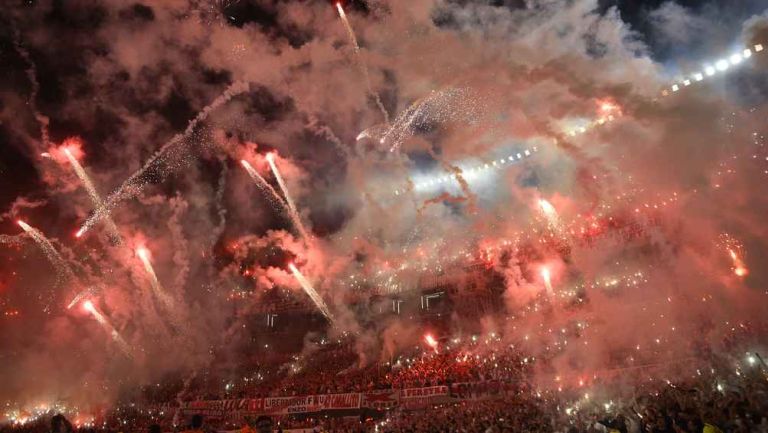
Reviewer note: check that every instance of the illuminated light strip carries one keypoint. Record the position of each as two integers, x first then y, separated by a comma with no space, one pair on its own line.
496,164
710,70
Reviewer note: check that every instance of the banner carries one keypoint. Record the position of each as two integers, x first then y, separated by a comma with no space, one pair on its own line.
382,399
421,398
311,403
430,391
410,398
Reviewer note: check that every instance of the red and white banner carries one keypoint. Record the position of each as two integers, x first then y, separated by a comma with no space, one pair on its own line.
410,398
311,403
381,399
430,391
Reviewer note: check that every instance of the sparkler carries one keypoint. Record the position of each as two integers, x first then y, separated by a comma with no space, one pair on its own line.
265,187
62,267
134,184
310,291
89,307
360,62
291,206
92,193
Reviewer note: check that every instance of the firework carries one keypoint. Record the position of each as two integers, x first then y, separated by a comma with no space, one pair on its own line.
143,254
265,187
291,206
431,342
735,251
167,153
62,267
92,193
739,268
546,276
550,214
360,62
310,291
90,308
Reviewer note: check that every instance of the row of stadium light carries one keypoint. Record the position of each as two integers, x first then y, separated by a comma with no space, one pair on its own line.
719,66
471,172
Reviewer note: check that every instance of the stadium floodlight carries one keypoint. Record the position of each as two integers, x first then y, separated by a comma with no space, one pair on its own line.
736,59
758,48
709,70
675,87
721,65
698,76
747,53
687,82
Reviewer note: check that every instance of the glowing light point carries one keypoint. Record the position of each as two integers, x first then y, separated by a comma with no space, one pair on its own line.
758,48
675,87
709,70
547,207
698,76
88,306
736,59
721,65
747,53
547,278
431,342
686,82
340,10
143,253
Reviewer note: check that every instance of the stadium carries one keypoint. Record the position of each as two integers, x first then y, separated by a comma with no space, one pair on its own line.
383,216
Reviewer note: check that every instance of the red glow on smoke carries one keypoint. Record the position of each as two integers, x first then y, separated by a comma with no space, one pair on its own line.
72,146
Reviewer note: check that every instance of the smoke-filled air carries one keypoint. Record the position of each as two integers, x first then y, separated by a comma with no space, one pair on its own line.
207,200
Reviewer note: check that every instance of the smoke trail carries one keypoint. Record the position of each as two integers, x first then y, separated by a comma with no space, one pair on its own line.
305,284
187,383
134,184
88,305
361,64
11,240
219,200
327,132
291,206
93,194
31,71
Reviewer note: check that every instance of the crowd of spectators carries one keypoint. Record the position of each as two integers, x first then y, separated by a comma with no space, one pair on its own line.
707,396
